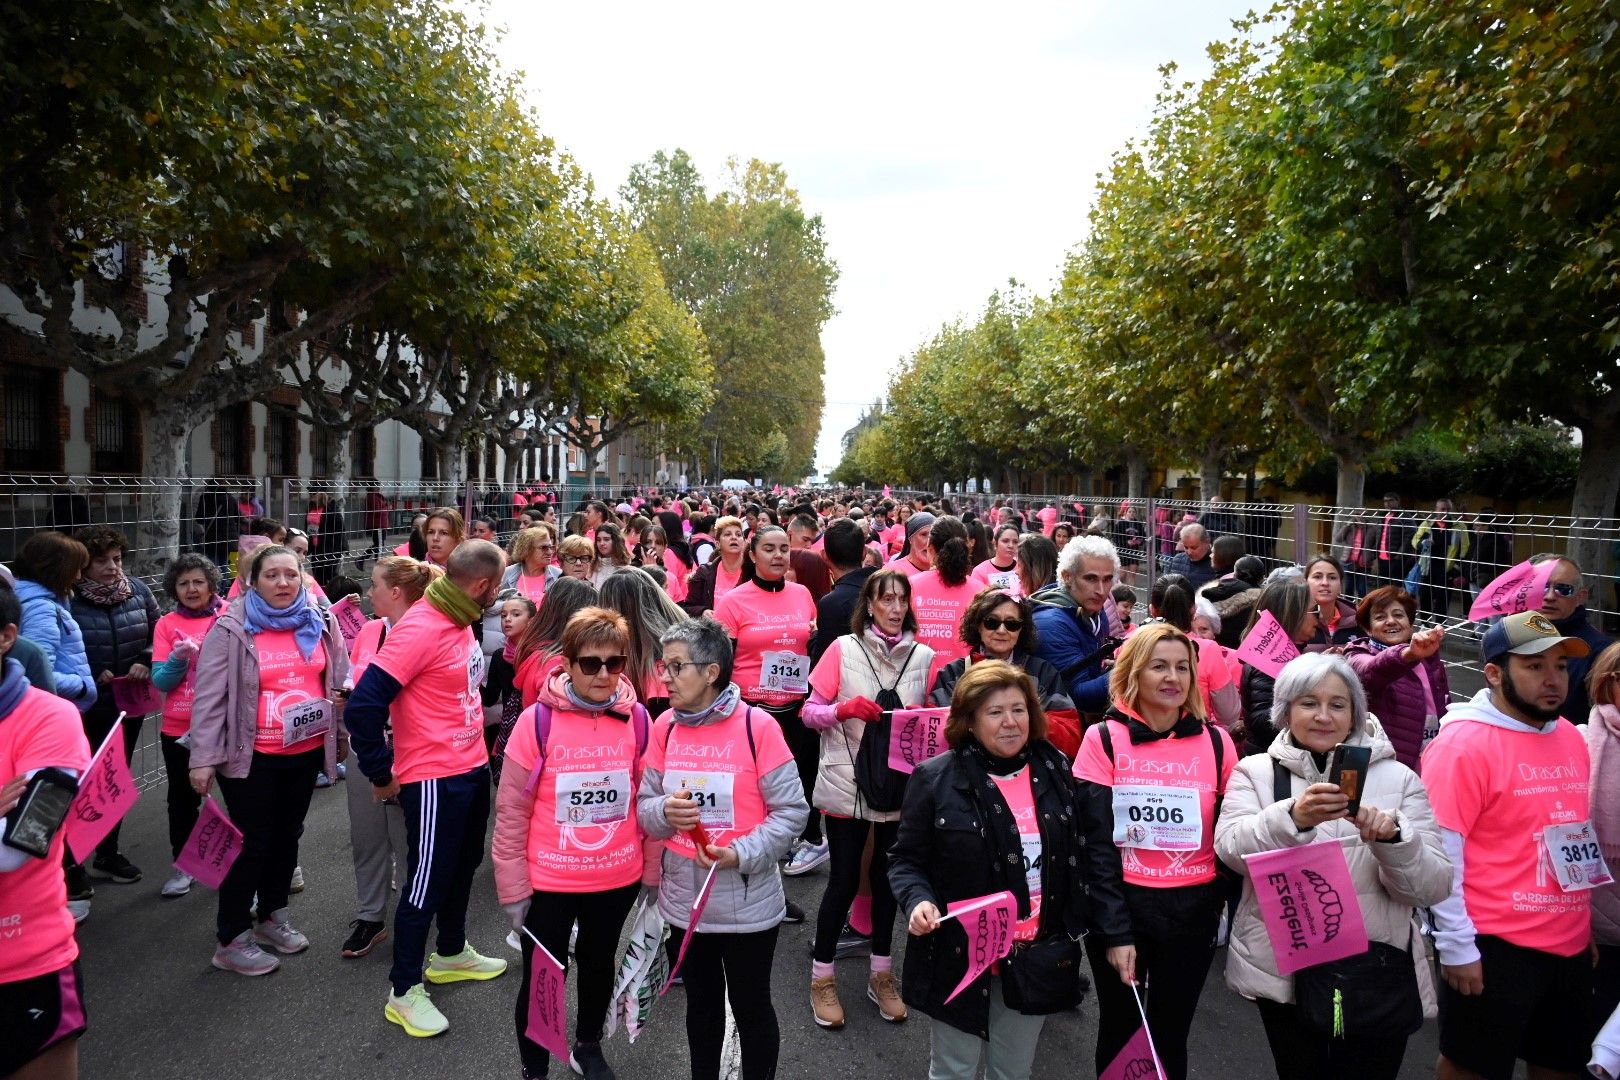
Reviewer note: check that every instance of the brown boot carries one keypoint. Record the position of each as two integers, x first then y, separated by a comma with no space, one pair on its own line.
883,990
824,1002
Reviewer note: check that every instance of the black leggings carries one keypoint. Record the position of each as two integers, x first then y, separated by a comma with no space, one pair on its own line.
269,805
184,803
846,843
735,966
806,747
1302,1054
1170,972
551,918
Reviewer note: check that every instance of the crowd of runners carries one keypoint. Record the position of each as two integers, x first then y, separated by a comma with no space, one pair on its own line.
647,713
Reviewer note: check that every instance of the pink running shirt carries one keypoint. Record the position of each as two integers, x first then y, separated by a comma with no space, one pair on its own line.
438,717
285,680
1020,796
165,635
768,622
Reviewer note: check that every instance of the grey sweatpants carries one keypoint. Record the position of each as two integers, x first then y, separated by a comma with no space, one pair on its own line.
377,837
1009,1055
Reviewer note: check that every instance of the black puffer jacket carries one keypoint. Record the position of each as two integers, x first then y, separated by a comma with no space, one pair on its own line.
1048,683
1256,689
942,854
117,637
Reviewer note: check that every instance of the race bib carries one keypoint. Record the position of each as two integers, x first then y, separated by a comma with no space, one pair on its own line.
1032,861
1576,858
592,798
1157,818
785,671
712,791
1431,728
305,720
1007,580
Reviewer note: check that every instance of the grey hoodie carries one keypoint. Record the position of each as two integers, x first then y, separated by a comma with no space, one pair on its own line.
749,898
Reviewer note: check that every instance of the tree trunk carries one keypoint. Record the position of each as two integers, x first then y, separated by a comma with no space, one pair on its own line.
1085,480
1136,473
340,465
509,467
1352,487
452,466
157,535
1597,485
1210,467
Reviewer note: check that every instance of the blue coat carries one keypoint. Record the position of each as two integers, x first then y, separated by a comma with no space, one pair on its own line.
1064,638
47,622
1577,706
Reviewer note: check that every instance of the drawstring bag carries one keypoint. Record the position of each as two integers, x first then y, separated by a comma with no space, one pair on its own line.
881,787
642,971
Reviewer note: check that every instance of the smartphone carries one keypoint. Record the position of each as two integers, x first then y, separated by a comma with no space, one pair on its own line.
41,812
1350,764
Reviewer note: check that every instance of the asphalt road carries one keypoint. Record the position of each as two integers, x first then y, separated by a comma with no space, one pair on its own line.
158,1009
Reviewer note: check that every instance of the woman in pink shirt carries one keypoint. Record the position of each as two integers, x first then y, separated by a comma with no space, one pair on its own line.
192,582
263,716
567,846
940,595
444,531
539,649
1001,569
41,999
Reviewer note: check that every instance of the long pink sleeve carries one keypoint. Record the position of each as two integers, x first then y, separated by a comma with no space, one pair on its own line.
509,848
818,713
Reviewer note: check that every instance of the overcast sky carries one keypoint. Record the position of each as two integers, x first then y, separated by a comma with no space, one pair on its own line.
946,146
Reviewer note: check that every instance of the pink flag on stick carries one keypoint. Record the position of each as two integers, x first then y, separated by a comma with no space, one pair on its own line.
1135,1060
106,792
915,735
698,905
988,921
548,1002
350,619
1267,647
886,491
212,847
1516,589
136,697
1308,904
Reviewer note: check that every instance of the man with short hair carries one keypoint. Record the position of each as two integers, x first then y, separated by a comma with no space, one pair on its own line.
1509,781
1394,533
1217,520
425,681
1564,604
802,532
1193,560
1071,624
482,528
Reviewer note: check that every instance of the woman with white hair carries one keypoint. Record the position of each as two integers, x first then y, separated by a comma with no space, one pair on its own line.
1282,799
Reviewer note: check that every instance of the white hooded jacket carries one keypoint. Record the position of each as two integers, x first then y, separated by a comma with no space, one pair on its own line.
1391,879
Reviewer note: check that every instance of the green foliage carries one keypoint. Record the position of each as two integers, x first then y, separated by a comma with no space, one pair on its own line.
1524,463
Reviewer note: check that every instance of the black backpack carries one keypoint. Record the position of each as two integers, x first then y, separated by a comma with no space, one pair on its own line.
881,787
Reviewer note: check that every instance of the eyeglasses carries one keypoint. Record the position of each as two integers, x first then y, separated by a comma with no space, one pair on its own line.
1011,625
1560,588
593,665
673,668
577,560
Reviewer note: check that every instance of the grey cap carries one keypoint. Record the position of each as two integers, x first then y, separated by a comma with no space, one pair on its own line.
920,520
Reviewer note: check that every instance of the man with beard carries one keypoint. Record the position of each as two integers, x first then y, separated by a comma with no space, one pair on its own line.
1509,781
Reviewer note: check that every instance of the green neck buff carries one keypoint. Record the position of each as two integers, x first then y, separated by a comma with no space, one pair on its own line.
456,605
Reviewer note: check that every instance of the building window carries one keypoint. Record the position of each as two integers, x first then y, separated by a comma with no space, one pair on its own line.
281,443
430,461
491,473
28,420
234,428
115,421
320,452
365,452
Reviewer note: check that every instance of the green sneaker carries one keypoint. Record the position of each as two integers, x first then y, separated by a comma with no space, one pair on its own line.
416,1013
467,965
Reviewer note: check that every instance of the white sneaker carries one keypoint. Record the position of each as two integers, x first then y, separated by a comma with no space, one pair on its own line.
179,884
297,883
806,857
279,934
513,940
244,956
79,909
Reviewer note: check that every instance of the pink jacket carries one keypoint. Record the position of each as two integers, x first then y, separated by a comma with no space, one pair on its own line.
509,846
1603,744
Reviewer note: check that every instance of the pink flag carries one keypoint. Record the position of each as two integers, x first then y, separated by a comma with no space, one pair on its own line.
1308,904
1135,1060
915,735
350,619
106,792
1517,589
1267,647
136,697
988,921
886,491
776,489
698,905
548,1003
212,847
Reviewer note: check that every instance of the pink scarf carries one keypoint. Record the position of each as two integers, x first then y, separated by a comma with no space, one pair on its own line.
1602,735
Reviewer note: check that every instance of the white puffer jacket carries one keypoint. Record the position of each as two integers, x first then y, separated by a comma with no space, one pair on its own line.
1391,879
866,666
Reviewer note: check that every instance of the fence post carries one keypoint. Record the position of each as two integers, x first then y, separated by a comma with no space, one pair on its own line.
1151,557
286,502
467,502
1302,527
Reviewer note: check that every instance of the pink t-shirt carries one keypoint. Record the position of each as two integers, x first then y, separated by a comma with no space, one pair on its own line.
763,622
1020,796
1048,516
532,587
939,608
1173,766
1499,789
438,717
712,760
1001,579
285,679
583,835
675,573
43,731
364,649
1213,674
724,582
168,632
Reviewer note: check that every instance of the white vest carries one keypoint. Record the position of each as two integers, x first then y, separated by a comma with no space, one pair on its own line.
865,668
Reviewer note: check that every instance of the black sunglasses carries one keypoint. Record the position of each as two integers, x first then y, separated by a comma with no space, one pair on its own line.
991,622
1560,588
593,665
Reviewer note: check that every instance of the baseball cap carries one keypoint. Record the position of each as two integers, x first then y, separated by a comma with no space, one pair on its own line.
1528,633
